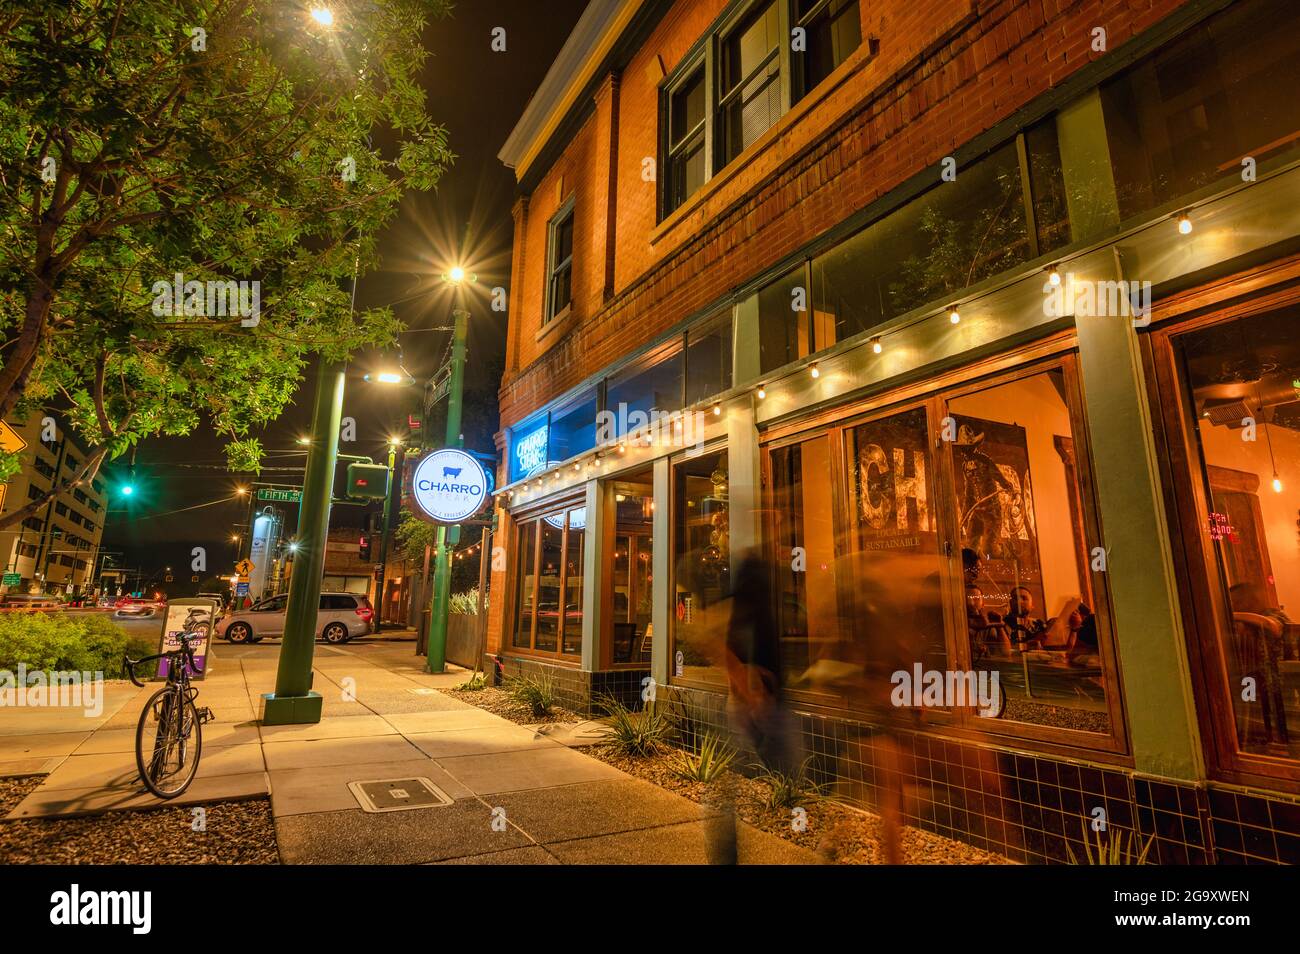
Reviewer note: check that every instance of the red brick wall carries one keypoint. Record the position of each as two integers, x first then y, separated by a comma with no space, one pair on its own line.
945,72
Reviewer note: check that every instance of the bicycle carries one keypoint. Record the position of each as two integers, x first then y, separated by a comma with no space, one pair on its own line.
172,721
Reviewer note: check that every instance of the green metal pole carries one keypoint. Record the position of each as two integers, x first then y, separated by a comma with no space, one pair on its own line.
293,702
385,528
448,536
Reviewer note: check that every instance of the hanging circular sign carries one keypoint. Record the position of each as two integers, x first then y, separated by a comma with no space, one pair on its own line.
449,486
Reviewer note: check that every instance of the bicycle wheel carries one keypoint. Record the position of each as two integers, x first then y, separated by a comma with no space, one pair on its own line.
168,742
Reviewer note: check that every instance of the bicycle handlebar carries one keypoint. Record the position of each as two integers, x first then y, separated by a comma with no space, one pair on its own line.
186,652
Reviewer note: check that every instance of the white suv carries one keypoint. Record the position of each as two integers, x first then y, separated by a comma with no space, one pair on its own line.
342,616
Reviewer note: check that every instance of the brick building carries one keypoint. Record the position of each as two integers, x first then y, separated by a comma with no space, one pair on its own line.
55,549
976,324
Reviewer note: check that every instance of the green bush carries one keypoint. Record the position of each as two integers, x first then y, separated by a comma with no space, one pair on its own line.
637,734
55,641
790,789
706,762
536,692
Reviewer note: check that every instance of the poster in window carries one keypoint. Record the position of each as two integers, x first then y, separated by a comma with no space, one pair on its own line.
893,484
995,508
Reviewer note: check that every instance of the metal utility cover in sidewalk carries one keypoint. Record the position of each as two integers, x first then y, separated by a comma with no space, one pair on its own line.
398,794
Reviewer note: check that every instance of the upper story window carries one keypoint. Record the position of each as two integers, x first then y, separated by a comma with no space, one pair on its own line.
559,262
832,30
749,81
757,62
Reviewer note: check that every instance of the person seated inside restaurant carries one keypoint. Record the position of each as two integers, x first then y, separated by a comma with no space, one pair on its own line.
987,630
1026,627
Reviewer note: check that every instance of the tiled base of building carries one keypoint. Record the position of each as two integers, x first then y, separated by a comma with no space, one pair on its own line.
1034,808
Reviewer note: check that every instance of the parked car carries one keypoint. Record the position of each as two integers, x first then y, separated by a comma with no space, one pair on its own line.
342,616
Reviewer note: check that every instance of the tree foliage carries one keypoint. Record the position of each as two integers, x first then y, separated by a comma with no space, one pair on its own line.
217,140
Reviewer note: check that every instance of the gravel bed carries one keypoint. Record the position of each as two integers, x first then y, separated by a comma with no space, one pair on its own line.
238,832
498,702
841,834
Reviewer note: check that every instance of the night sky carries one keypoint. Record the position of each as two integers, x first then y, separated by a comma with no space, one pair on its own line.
478,94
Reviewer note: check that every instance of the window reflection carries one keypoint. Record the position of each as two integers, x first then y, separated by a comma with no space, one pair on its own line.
1029,604
1186,116
701,565
1244,379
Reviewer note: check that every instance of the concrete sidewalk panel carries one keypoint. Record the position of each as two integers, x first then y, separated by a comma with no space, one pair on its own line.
596,808
413,837
529,769
325,788
340,727
482,741
384,748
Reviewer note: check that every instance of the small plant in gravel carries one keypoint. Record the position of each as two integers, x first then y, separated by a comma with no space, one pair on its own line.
475,683
637,734
706,762
786,790
1120,847
535,692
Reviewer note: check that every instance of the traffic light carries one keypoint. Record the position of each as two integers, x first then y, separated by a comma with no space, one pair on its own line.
363,545
368,481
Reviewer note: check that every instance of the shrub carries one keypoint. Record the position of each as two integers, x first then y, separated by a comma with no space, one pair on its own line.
474,683
535,692
706,762
636,733
786,790
55,641
1119,848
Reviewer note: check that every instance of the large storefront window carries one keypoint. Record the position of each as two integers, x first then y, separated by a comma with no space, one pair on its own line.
1219,94
1243,380
1031,610
633,593
803,522
953,535
701,567
548,601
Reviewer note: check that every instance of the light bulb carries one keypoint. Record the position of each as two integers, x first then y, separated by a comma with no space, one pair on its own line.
1184,224
954,316
762,392
1277,485
814,371
876,346
1054,277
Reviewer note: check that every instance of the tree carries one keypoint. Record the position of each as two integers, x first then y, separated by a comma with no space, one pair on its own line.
186,190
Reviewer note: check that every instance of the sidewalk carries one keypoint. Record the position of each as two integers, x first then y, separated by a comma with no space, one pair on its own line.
517,796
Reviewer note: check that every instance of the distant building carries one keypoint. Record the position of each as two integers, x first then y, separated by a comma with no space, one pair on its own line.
55,549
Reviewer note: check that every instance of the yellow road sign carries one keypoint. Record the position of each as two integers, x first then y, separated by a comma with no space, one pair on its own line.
244,567
10,440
